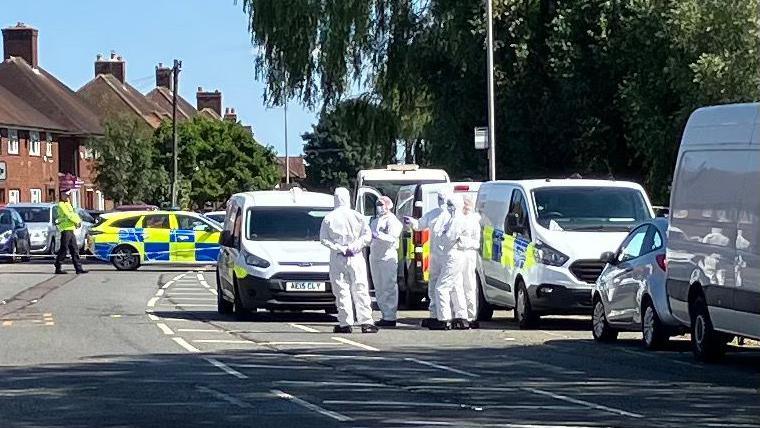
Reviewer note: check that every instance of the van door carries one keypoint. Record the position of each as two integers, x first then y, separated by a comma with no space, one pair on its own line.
517,237
493,210
747,265
157,230
229,250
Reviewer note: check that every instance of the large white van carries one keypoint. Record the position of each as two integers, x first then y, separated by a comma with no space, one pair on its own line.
371,184
270,256
713,241
542,242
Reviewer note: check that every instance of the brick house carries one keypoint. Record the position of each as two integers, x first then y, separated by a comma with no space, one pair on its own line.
161,95
72,122
297,169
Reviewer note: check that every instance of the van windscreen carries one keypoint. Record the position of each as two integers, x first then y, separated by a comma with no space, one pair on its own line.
590,208
285,223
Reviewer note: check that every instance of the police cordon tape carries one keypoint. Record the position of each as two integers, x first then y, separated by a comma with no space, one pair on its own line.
93,256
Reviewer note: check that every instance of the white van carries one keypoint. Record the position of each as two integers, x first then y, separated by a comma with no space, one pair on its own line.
713,254
414,252
542,242
371,184
270,256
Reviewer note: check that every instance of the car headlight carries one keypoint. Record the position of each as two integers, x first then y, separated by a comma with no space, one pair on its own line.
549,256
256,261
5,236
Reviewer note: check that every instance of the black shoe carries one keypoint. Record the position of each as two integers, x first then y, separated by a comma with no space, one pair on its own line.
427,321
474,325
369,328
339,329
60,271
460,324
385,323
82,271
440,325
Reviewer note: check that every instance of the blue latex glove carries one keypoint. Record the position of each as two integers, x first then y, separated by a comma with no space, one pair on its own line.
375,235
407,220
348,253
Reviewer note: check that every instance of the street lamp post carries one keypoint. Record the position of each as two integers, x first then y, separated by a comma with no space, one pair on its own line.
175,179
491,121
287,155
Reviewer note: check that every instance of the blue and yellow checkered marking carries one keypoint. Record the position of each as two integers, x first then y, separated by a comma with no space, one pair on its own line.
508,250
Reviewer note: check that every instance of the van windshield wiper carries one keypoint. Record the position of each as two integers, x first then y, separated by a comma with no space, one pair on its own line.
602,227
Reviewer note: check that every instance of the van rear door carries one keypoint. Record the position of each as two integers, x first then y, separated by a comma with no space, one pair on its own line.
493,205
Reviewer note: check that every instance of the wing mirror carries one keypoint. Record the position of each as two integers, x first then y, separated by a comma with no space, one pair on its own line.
609,257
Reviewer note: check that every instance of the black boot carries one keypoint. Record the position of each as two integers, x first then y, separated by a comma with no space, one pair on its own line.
59,271
460,324
440,325
385,323
340,329
474,325
82,271
369,328
426,322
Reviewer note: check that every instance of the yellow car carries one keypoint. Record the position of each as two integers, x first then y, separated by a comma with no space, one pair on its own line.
130,239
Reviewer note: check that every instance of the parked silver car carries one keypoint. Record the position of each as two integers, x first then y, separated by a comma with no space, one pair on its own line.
40,220
630,293
83,232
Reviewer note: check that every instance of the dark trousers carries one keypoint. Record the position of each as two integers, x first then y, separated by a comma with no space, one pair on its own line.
68,244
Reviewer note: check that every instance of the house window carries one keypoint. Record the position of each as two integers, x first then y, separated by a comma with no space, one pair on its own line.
49,145
13,141
13,196
34,143
36,195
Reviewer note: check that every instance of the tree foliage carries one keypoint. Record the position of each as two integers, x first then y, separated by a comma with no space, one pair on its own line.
599,87
355,134
217,159
125,163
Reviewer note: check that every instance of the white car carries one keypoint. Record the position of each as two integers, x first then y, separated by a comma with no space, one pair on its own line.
542,242
271,257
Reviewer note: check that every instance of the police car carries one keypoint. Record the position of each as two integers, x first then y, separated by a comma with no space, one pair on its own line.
131,239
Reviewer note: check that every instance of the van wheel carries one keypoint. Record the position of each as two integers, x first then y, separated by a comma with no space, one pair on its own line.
485,310
125,257
600,328
240,313
524,314
653,334
707,344
222,306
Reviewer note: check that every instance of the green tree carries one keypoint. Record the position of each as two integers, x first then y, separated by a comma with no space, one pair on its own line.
216,160
125,167
353,135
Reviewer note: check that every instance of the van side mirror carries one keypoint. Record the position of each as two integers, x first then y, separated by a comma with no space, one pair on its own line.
609,257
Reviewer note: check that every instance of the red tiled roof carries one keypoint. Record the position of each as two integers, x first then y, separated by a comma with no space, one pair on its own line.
46,94
209,113
297,166
14,112
163,97
137,102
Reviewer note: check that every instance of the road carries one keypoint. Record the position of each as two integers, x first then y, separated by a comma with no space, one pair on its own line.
147,348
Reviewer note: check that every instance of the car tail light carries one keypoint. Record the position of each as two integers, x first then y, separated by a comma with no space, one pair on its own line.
462,188
662,262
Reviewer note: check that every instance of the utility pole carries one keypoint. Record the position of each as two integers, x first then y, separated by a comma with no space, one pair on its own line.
287,156
175,181
491,121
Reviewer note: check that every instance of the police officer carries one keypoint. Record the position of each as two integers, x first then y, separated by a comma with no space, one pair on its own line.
67,221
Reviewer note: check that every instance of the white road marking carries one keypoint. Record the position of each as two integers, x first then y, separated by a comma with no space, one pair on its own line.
153,317
341,357
207,298
502,425
304,328
442,367
200,330
660,358
510,339
178,277
183,343
311,406
188,305
165,328
213,291
357,344
552,333
336,384
167,285
152,302
274,366
160,293
297,343
204,283
223,341
583,403
393,403
187,293
188,289
225,368
200,277
224,397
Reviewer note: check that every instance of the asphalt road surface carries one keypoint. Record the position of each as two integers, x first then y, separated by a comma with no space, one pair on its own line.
148,348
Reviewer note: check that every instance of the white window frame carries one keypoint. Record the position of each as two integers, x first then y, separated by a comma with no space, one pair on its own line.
34,143
13,141
35,196
14,196
49,145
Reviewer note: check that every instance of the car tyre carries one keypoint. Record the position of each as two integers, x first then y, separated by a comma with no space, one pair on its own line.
707,344
524,315
485,309
125,257
600,328
222,306
239,312
653,333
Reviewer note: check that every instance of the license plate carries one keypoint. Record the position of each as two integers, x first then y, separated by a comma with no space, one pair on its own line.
305,286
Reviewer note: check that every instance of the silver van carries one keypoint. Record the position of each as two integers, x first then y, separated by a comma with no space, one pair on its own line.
713,256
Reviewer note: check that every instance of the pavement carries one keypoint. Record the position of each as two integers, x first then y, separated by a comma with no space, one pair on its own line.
147,348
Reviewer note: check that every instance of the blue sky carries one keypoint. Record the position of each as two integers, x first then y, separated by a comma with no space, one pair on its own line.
209,36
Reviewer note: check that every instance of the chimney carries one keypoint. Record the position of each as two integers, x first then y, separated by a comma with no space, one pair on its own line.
212,100
230,115
21,41
114,66
164,77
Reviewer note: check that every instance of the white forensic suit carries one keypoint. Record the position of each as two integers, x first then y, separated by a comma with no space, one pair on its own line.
346,233
383,260
449,290
470,244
